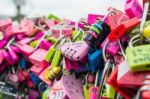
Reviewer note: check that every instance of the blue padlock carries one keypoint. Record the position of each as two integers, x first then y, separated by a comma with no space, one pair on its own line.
22,63
34,78
95,60
42,87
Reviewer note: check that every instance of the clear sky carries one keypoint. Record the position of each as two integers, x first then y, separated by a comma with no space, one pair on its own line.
72,9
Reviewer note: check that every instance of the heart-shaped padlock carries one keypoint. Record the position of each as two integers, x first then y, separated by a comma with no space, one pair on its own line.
75,51
72,87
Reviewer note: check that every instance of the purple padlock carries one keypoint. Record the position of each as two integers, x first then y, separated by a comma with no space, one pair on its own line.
72,87
133,8
3,43
7,57
45,44
13,55
38,35
15,49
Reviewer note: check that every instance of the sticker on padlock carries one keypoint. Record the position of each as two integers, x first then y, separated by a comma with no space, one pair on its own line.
38,57
133,8
75,51
57,91
138,58
72,87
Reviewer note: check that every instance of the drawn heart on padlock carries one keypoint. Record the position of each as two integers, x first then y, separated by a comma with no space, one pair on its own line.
72,87
75,51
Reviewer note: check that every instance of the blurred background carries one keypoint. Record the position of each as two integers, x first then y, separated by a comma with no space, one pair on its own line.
71,9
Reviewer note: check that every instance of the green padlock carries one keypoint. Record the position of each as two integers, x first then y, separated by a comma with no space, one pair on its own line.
52,39
87,91
77,35
139,58
110,91
50,54
34,43
56,58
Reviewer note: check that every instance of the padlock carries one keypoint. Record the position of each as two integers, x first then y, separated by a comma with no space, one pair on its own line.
34,43
13,55
133,8
77,37
56,59
13,30
45,44
146,30
71,64
22,63
7,57
38,57
94,58
75,51
3,43
50,54
20,36
116,20
34,78
27,25
24,41
93,17
72,87
52,39
94,90
122,29
37,70
42,87
33,94
138,58
1,56
57,91
5,23
51,73
38,35
128,79
25,49
15,49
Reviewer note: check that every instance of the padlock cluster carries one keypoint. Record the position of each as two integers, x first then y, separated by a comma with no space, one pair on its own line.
98,57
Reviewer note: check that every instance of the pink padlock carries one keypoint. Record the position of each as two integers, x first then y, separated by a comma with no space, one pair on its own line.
20,36
38,57
37,70
5,23
13,55
1,56
75,51
27,25
13,30
133,8
3,43
72,87
93,17
38,35
24,41
26,49
7,57
15,49
45,44
66,31
71,64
